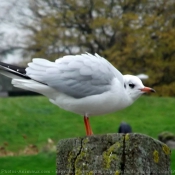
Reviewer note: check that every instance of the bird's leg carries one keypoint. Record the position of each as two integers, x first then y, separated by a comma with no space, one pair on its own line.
87,126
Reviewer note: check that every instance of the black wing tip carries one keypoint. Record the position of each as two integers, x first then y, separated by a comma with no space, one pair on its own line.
16,70
14,67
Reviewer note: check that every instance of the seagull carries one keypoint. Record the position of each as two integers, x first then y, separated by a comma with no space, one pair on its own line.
84,84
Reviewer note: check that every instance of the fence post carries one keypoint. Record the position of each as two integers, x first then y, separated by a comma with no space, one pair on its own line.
116,154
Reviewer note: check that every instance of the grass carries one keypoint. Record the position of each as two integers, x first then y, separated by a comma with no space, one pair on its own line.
37,120
37,164
173,161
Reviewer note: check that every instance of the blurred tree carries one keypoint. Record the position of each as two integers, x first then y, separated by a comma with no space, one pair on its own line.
137,36
149,46
11,33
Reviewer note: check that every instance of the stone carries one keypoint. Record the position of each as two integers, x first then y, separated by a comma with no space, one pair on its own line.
171,144
166,136
115,154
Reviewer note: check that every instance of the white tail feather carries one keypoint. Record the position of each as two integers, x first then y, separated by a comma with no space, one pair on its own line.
35,86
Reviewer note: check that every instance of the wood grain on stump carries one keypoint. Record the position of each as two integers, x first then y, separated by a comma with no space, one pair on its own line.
115,154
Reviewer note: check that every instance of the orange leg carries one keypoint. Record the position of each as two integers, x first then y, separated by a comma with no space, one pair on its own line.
87,126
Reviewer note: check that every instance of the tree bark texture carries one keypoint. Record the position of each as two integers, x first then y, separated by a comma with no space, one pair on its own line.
115,154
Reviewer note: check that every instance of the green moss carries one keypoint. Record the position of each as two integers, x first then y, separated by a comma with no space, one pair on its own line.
106,160
86,140
72,156
117,173
126,137
109,157
90,173
83,156
156,156
78,172
118,144
166,149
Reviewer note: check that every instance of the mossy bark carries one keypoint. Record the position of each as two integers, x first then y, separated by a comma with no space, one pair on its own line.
115,154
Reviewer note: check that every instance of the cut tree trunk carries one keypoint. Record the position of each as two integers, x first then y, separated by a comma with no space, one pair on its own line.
116,154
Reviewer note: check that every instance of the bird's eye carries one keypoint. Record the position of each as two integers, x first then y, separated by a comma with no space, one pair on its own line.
131,85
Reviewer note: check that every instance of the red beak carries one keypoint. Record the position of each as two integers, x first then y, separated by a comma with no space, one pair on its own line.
147,89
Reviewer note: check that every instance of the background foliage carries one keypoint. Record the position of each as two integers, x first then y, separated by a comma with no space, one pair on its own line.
137,36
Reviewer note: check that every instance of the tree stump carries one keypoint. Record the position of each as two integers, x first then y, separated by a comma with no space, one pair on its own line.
115,154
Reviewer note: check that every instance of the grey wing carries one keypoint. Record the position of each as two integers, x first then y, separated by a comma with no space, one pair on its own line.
77,76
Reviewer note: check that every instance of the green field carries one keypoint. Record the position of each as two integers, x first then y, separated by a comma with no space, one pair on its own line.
32,120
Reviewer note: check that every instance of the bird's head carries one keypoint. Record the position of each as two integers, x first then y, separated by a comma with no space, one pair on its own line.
134,87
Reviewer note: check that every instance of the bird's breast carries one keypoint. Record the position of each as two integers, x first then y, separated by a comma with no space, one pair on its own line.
93,105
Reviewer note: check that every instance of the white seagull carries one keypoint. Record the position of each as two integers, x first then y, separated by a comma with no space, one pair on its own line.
84,84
